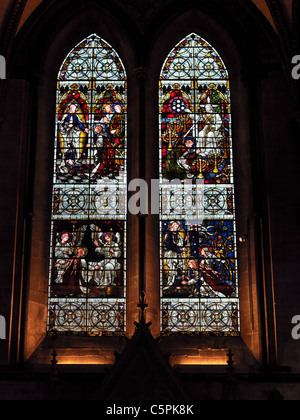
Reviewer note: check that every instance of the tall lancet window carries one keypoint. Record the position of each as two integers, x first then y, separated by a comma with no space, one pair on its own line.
87,287
199,284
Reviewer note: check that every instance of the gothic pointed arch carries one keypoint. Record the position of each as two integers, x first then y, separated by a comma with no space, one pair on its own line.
199,282
87,288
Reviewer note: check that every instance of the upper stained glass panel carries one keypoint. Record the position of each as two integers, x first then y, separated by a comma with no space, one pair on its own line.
87,286
199,276
95,57
194,57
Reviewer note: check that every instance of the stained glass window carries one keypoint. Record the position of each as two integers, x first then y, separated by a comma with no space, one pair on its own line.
87,287
199,282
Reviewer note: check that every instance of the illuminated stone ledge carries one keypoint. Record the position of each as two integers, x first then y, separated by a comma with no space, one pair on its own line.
202,357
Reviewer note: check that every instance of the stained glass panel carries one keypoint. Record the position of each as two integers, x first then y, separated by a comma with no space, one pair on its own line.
87,288
199,276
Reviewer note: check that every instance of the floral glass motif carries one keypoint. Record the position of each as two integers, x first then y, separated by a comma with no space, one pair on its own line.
87,288
199,280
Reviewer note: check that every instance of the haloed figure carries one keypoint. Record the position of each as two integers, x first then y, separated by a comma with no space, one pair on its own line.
175,246
210,134
107,135
97,147
63,251
106,270
75,274
192,275
210,276
71,128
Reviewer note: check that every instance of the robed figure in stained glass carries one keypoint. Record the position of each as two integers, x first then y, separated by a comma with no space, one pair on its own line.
109,135
175,126
70,265
72,133
71,128
63,251
174,247
107,246
209,135
75,275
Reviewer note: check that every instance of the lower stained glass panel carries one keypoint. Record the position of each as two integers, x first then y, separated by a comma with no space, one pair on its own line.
199,282
88,267
198,259
207,316
86,316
